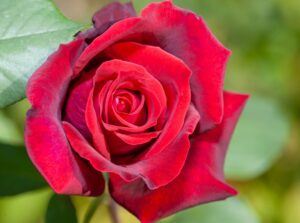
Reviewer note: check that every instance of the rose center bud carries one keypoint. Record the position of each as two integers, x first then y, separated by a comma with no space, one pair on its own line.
122,105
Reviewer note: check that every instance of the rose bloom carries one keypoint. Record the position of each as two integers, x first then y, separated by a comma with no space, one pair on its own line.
140,98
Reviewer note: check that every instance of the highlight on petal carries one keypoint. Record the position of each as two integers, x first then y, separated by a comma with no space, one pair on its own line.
201,179
45,139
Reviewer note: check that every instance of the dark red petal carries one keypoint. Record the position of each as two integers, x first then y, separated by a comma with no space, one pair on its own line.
200,181
118,31
214,143
95,128
76,100
174,77
156,171
45,139
106,17
165,166
185,35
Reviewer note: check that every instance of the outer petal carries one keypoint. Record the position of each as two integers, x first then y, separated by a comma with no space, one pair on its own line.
45,139
185,35
115,33
200,181
106,17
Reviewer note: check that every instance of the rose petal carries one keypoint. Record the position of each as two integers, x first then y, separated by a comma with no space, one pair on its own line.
124,75
76,100
137,116
94,126
115,33
136,77
200,181
106,17
172,74
139,138
215,142
45,140
185,35
170,161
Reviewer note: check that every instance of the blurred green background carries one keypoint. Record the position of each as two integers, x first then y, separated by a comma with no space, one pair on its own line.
264,157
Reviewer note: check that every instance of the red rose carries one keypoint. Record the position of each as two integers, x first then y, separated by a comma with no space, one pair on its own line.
140,98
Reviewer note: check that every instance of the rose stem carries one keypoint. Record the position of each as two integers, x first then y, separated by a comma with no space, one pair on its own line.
113,211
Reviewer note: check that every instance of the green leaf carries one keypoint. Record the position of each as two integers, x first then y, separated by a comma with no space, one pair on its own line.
30,30
61,210
258,140
17,174
229,211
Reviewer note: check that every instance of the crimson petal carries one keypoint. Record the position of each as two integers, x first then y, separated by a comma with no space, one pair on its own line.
200,181
134,75
185,35
174,76
76,100
45,139
170,160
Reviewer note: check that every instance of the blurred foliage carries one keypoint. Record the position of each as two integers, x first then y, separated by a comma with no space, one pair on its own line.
264,37
25,208
61,210
254,146
9,131
229,211
17,174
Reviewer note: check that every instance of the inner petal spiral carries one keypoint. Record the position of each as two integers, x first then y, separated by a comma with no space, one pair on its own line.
122,104
128,107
